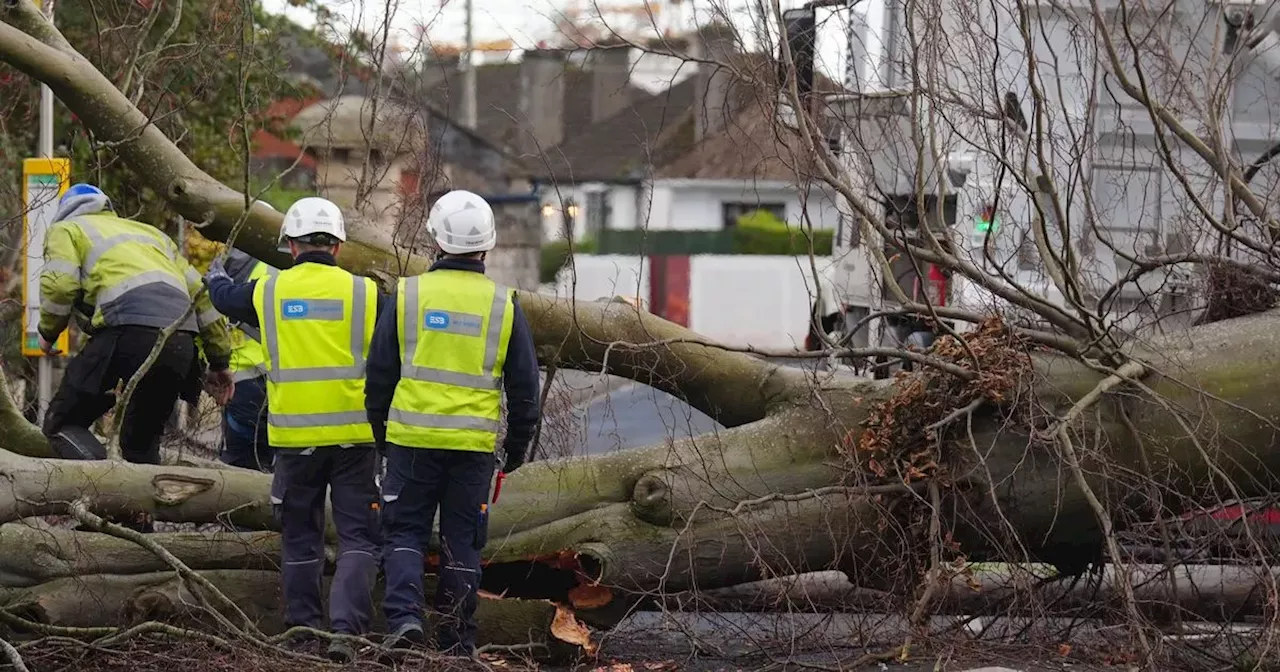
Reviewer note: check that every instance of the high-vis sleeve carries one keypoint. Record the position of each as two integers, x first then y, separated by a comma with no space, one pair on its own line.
60,279
215,334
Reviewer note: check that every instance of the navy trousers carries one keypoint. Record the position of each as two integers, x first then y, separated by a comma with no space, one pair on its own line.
297,492
244,427
418,481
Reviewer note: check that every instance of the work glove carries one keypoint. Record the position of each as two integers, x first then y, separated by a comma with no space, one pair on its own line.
220,385
514,458
49,347
216,270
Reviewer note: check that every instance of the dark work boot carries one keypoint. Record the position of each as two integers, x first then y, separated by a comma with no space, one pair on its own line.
341,651
407,636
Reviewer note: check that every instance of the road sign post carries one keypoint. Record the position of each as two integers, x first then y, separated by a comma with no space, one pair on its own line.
43,181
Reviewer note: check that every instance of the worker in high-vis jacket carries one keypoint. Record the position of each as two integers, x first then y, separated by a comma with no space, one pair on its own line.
443,354
316,321
244,420
123,282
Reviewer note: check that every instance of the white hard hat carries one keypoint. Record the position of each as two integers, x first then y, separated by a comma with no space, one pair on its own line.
312,215
462,223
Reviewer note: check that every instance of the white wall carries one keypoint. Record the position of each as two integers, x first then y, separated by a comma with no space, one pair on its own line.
734,299
602,276
681,205
695,205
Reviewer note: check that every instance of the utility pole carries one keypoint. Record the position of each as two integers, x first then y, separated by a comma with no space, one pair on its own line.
468,111
44,371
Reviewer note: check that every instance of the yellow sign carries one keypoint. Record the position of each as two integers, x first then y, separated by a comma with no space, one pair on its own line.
43,183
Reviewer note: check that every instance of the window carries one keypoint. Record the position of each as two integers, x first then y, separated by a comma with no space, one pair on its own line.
375,159
340,155
598,211
730,212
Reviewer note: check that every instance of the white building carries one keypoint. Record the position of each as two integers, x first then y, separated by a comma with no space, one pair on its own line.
692,157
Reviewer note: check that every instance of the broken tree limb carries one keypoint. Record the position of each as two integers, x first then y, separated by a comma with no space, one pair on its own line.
1219,593
121,600
34,487
44,554
734,388
99,105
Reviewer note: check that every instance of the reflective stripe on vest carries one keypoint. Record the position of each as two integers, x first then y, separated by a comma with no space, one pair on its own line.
454,328
154,297
324,316
248,357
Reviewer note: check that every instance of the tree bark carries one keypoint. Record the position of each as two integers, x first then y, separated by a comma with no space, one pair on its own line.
94,600
1218,593
38,555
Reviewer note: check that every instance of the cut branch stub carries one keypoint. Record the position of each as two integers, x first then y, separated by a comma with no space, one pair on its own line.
174,489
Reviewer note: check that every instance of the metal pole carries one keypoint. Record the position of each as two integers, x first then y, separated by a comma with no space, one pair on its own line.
468,107
44,371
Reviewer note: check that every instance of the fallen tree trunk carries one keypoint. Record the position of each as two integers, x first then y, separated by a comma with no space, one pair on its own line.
1218,593
680,516
38,555
94,600
35,487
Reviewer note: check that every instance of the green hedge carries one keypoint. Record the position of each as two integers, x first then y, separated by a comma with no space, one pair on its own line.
555,255
760,232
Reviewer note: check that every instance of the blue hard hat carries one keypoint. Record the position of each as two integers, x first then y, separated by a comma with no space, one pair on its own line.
80,189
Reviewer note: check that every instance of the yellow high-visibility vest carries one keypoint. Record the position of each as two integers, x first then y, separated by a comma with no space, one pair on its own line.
454,327
317,322
248,356
109,271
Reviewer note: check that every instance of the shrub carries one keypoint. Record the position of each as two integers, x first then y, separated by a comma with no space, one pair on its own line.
761,232
555,255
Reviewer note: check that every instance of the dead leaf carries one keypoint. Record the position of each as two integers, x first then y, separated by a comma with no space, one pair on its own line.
1064,649
566,628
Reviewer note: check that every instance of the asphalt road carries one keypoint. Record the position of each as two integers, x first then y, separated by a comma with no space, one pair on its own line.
634,415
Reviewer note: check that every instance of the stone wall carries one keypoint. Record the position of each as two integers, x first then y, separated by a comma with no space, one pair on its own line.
515,261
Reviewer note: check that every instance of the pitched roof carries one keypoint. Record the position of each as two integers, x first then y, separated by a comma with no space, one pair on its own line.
650,132
655,136
753,146
268,146
498,116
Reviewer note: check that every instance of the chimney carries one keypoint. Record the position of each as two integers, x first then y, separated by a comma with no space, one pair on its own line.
610,81
716,43
541,100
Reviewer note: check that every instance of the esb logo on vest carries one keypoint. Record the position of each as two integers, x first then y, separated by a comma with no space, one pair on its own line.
311,309
452,322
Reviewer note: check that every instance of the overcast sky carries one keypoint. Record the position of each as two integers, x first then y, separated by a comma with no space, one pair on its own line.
528,21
